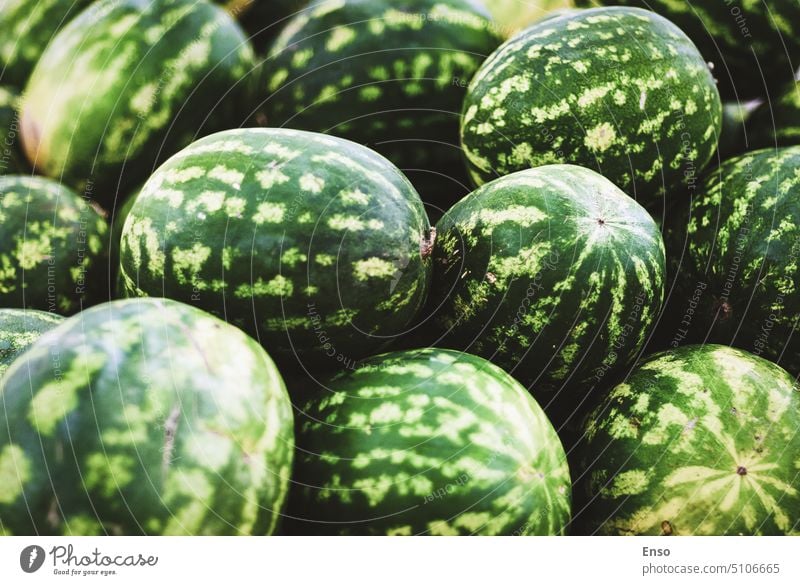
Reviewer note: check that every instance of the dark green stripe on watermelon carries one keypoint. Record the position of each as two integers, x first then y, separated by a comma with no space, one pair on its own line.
127,84
427,442
701,440
26,28
753,44
736,252
144,417
53,252
19,329
552,273
390,76
12,159
315,245
619,90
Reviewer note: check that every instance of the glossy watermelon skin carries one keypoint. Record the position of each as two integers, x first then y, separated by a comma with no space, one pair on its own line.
12,160
552,273
754,46
53,253
316,246
701,440
19,329
127,84
427,442
390,76
734,252
26,28
619,90
156,418
776,122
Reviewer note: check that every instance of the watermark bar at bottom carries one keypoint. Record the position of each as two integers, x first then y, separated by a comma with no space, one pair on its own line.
356,560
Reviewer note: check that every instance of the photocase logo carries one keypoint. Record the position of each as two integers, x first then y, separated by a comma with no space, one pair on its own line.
31,558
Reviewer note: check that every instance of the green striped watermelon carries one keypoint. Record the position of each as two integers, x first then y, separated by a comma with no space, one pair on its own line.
19,328
737,252
153,418
317,246
552,273
754,45
701,440
26,27
777,121
427,442
129,83
52,247
390,76
620,90
12,159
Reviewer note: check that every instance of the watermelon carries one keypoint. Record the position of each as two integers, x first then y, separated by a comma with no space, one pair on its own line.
620,90
392,77
12,160
699,440
736,250
127,84
552,273
19,328
315,245
754,45
777,121
155,417
52,247
263,19
26,28
430,442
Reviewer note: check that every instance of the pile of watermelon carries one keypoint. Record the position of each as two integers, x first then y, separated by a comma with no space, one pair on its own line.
421,267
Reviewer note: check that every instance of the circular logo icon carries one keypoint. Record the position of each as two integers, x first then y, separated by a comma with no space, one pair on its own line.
31,558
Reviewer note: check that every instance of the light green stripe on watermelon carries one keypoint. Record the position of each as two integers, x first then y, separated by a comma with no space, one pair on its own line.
619,90
741,242
26,28
53,252
552,273
154,417
313,244
126,84
702,440
427,442
19,329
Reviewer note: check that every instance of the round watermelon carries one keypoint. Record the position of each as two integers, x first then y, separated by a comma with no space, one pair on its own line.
19,328
620,90
12,159
735,251
552,273
427,442
52,247
701,440
317,246
776,122
754,45
153,418
392,77
128,83
26,28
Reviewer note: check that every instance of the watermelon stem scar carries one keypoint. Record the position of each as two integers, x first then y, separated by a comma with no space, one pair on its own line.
741,470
